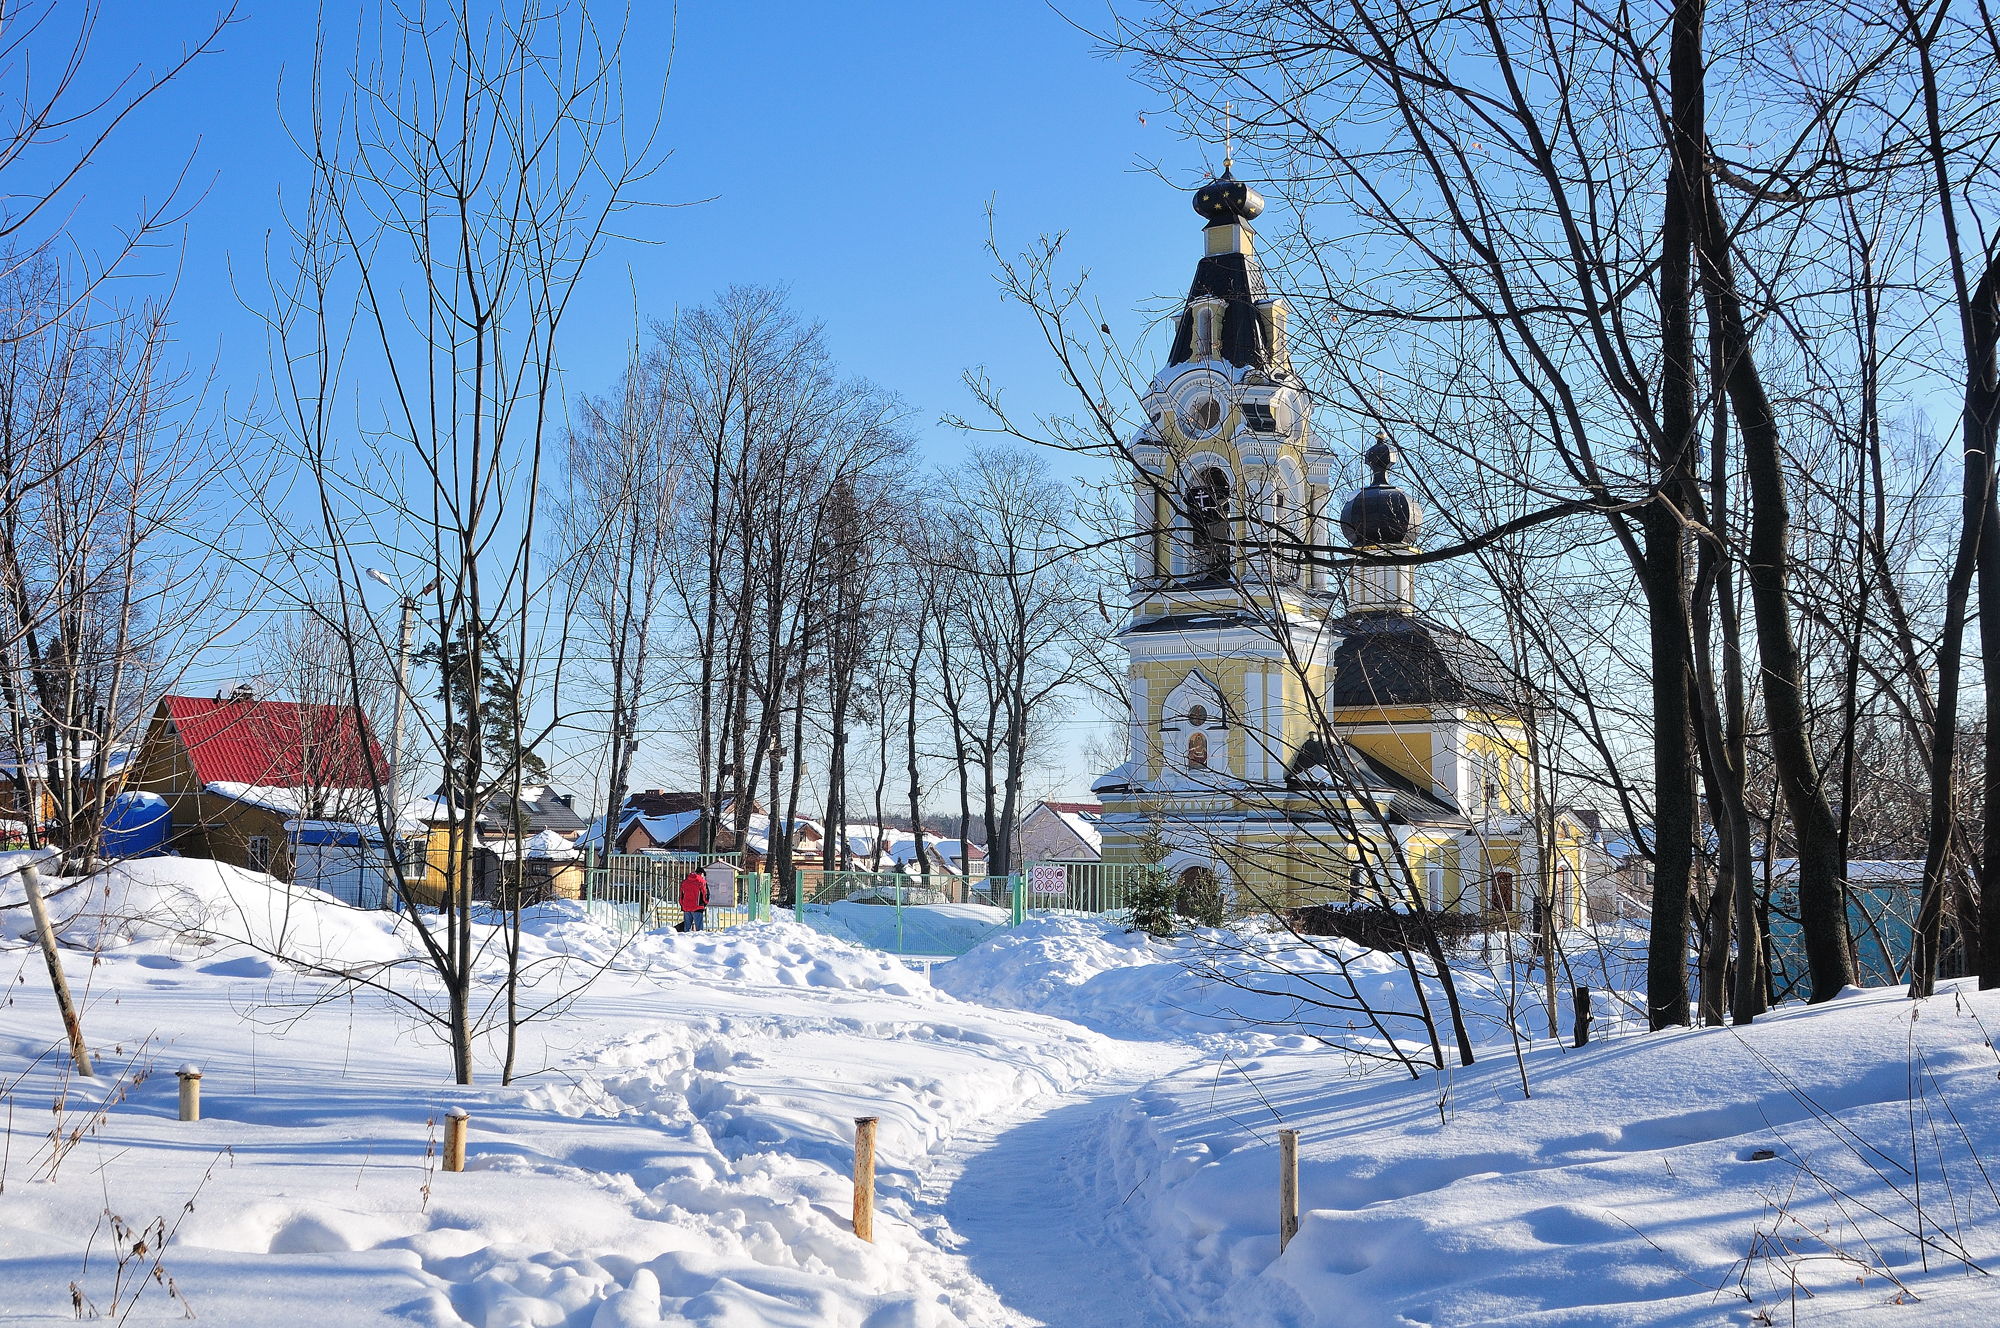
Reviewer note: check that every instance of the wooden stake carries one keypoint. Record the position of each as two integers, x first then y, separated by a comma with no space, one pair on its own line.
31,885
190,1077
1582,1016
455,1121
1288,1187
864,1177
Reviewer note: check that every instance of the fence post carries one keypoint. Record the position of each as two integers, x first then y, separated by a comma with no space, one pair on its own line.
1288,1187
455,1121
864,1178
1018,885
45,932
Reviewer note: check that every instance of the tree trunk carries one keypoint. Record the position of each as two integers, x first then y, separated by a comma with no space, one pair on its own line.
1665,569
1822,896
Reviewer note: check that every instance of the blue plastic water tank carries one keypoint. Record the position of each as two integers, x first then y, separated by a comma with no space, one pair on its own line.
136,826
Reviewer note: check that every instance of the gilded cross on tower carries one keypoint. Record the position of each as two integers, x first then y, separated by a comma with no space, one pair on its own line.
1228,135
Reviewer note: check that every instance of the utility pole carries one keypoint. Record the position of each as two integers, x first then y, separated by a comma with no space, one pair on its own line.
409,630
406,638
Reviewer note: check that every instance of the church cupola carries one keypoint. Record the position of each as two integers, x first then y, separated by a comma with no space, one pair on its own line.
1382,517
1230,317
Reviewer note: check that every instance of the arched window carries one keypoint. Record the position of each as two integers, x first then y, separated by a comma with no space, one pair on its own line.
1204,333
1501,898
1283,536
1208,515
1197,750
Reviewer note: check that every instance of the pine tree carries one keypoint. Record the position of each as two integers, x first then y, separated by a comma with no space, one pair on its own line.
1153,894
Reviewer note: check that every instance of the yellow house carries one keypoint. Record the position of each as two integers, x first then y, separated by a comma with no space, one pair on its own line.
1304,740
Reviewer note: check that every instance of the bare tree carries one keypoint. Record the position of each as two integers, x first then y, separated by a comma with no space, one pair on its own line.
466,171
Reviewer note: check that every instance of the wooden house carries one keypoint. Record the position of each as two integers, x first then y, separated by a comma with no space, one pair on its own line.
236,770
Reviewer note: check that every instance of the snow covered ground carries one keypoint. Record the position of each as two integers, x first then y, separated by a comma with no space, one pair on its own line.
1078,1127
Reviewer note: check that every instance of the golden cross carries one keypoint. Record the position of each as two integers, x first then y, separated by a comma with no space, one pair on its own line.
1228,135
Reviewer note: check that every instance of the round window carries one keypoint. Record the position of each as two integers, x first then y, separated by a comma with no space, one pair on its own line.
1202,416
1198,715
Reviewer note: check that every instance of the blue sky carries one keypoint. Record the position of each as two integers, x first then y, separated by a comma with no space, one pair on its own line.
846,151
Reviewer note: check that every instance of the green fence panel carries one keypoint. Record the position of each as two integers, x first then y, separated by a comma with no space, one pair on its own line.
936,917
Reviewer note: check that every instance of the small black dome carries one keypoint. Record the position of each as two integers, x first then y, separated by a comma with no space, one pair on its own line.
1227,199
1380,513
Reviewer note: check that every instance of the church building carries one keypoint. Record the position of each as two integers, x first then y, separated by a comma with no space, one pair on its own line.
1304,737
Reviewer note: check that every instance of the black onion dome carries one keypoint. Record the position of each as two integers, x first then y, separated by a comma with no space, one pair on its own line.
1227,199
1380,513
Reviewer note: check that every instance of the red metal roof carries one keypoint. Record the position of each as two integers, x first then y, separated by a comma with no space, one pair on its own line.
279,744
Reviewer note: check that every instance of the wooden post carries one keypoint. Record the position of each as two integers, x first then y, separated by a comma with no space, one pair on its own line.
864,1177
1582,1016
31,885
1288,1187
190,1077
455,1121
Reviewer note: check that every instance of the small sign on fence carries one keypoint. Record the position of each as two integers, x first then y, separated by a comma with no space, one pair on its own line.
1049,878
721,885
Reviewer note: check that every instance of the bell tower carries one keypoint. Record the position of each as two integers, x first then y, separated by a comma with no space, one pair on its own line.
1228,496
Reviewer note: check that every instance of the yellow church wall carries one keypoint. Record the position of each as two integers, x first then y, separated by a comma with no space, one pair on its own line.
1408,754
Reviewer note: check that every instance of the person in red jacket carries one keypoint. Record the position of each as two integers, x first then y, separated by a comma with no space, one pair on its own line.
694,899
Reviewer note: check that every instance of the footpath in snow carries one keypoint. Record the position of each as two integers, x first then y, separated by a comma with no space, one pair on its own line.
1078,1127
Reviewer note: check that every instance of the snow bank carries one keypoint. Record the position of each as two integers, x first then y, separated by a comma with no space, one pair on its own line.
184,907
1260,980
677,1146
1702,1177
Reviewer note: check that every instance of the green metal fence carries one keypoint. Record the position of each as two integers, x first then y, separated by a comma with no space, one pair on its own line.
641,892
906,915
941,916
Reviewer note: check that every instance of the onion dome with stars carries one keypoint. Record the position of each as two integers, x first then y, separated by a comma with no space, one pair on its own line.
1380,513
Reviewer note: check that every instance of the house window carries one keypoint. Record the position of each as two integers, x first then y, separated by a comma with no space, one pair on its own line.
1502,894
1197,750
259,852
